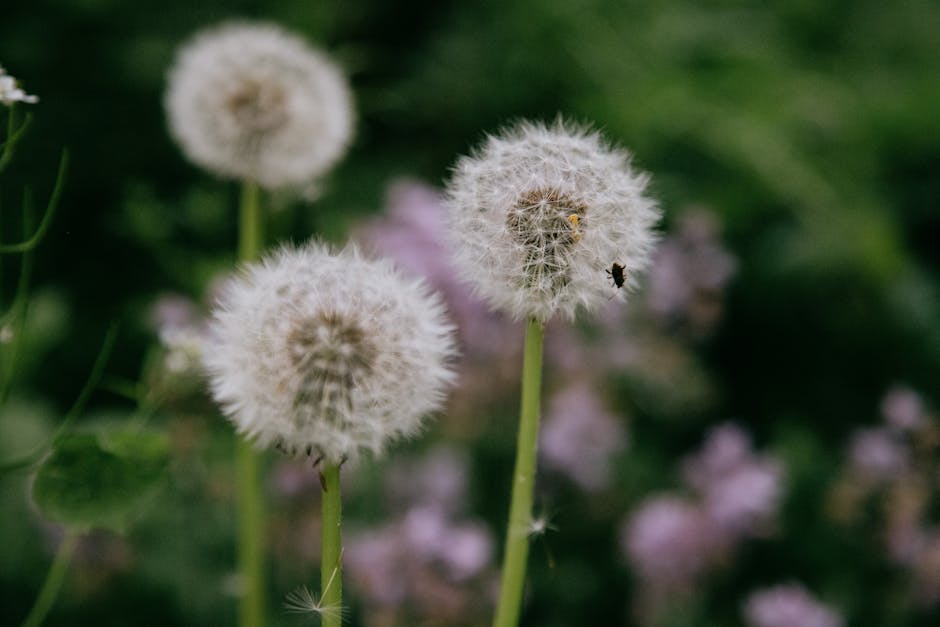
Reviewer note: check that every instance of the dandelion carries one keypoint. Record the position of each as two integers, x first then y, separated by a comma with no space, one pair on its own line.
11,92
253,102
328,354
540,212
540,217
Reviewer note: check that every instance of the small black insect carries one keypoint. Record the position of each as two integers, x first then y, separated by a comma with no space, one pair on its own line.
616,273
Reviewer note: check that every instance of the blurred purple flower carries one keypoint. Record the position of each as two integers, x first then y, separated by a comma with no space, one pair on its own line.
580,436
438,478
788,605
877,454
173,312
669,542
740,491
903,409
689,271
424,563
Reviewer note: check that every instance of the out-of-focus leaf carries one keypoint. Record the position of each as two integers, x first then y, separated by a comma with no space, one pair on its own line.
100,479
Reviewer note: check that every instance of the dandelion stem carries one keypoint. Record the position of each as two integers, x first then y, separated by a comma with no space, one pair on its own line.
53,583
250,506
520,512
331,565
251,227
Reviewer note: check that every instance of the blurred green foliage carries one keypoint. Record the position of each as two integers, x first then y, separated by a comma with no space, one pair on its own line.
810,128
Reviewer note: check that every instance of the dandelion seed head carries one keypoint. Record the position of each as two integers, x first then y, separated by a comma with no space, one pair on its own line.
251,101
328,352
540,211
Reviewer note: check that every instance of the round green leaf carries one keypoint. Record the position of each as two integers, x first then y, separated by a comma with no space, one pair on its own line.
100,479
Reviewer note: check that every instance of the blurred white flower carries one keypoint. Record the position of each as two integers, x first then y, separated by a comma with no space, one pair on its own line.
328,354
251,101
540,214
10,91
788,605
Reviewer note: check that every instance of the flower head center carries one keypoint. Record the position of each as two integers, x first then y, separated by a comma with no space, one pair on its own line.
547,223
258,106
332,354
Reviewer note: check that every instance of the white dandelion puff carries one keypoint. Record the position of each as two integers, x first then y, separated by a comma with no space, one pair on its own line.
11,92
252,102
540,215
328,354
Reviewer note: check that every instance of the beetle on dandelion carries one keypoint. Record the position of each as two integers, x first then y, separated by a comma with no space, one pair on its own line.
617,275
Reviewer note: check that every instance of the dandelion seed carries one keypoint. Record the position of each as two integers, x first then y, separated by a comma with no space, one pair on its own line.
539,211
541,525
254,102
303,601
328,354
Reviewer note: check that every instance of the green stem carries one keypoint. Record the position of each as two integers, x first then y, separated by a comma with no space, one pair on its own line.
251,223
250,505
331,563
53,583
523,484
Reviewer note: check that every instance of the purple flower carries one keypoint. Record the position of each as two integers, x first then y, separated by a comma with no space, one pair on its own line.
669,542
439,478
424,564
689,271
788,605
581,437
903,409
877,454
740,491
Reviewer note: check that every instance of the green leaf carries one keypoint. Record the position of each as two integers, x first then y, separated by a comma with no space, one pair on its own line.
100,479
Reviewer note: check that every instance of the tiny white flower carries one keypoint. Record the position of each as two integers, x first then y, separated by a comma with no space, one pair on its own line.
10,91
547,219
253,102
328,354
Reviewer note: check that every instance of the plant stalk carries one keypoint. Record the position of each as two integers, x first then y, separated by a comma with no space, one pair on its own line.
523,483
250,505
53,583
331,564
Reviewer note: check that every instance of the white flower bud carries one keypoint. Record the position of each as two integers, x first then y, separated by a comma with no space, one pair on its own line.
253,102
541,214
328,354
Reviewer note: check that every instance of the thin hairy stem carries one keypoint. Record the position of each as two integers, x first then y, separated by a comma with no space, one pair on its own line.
523,483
